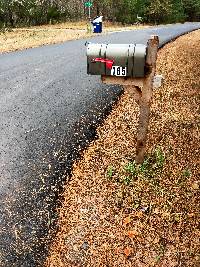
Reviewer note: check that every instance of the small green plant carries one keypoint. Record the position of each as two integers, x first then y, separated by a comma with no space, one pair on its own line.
145,166
151,166
187,173
89,28
160,157
183,177
153,163
127,180
131,168
161,254
110,172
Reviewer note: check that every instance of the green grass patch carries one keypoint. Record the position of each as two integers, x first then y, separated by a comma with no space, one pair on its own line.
152,165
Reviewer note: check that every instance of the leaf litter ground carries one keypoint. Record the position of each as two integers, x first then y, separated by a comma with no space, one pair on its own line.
115,213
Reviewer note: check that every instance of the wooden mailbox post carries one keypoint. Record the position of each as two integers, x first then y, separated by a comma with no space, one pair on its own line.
141,89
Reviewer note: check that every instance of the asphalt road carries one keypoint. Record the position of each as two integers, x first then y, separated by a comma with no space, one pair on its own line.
49,109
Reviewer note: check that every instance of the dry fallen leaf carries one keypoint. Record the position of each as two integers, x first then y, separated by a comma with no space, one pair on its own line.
132,234
156,240
117,250
190,215
156,211
140,239
127,251
195,185
127,220
139,214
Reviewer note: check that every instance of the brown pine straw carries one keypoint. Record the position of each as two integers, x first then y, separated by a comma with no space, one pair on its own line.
151,221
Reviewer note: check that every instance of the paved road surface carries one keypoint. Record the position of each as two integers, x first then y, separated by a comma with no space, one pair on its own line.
49,108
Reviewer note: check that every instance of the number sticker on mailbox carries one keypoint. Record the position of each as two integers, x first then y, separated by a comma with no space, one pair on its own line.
118,71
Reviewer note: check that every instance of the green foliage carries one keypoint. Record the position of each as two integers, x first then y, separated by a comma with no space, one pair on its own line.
149,169
128,11
110,172
131,168
177,12
53,13
159,157
159,11
187,173
127,180
33,12
191,9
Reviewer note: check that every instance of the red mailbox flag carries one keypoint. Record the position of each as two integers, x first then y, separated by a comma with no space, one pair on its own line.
109,62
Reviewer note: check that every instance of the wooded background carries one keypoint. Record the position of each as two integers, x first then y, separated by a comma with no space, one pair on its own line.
15,13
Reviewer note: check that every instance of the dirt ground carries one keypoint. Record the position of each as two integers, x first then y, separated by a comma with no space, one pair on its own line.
22,38
115,213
